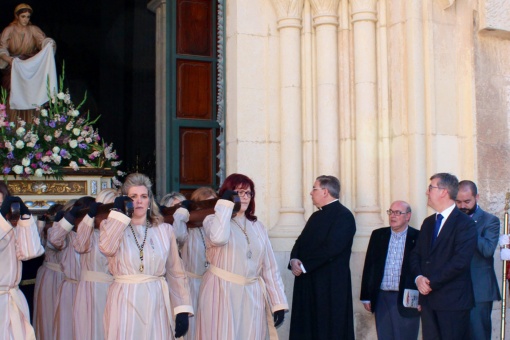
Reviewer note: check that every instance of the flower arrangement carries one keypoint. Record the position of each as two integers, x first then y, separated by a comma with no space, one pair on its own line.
59,136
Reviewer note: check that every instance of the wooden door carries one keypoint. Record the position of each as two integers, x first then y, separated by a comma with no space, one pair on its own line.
193,69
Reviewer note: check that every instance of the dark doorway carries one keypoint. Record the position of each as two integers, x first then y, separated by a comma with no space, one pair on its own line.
108,48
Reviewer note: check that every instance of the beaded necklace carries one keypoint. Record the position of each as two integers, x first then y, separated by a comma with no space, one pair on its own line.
140,248
248,253
206,264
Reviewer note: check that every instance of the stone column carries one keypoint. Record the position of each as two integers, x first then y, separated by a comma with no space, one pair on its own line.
291,219
365,85
159,7
325,19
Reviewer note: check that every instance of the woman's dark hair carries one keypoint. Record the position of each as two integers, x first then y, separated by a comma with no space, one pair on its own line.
4,190
244,182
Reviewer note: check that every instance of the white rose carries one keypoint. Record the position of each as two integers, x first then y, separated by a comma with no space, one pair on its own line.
61,95
56,159
69,126
39,173
76,131
58,133
18,169
55,149
44,113
73,143
88,140
25,161
48,138
74,166
75,113
9,146
20,144
28,171
30,144
46,159
20,131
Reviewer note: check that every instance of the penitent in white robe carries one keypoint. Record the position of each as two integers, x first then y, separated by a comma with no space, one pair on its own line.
48,280
16,245
90,301
140,310
230,311
61,236
192,246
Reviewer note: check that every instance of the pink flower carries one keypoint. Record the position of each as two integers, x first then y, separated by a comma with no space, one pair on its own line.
38,155
49,153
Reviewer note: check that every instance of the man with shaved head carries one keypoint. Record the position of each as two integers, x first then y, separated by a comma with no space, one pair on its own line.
387,274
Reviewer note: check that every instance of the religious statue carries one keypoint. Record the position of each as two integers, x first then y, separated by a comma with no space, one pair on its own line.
26,54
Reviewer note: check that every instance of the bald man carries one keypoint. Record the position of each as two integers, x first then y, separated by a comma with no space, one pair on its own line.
387,274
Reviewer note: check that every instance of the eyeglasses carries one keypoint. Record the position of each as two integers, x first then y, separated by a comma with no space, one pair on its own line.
242,193
433,187
314,188
395,212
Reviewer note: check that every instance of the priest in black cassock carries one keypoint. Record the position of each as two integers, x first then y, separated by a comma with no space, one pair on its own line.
322,298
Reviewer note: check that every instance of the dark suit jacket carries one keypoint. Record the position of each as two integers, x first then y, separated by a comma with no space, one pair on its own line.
375,261
485,284
447,264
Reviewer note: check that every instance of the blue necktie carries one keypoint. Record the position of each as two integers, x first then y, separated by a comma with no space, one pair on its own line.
439,218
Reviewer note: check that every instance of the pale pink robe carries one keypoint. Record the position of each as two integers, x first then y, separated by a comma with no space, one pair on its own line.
61,236
90,301
140,310
191,243
16,245
48,280
230,311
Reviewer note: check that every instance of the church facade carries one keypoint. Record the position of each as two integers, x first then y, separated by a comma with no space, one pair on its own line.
381,94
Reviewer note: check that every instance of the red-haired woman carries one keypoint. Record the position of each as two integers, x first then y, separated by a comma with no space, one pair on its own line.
243,285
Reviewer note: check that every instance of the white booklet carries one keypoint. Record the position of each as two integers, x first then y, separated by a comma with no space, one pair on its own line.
411,298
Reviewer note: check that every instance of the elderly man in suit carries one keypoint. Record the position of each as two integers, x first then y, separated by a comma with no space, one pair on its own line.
441,263
387,273
485,284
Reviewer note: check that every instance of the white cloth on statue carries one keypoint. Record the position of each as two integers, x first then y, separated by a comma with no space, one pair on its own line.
29,80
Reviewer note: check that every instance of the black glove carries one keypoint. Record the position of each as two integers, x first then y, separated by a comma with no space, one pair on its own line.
186,204
59,215
181,324
278,317
119,203
71,215
93,209
23,209
8,201
227,195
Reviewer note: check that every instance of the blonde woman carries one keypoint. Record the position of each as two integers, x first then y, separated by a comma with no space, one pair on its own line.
149,276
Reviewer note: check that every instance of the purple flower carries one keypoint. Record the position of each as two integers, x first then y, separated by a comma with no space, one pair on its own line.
64,153
10,155
6,170
52,123
83,146
63,119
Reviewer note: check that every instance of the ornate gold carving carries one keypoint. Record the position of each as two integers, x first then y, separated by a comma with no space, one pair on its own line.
48,187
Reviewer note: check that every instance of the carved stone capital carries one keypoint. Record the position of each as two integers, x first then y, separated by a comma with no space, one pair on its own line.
445,3
288,9
153,5
364,10
324,7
